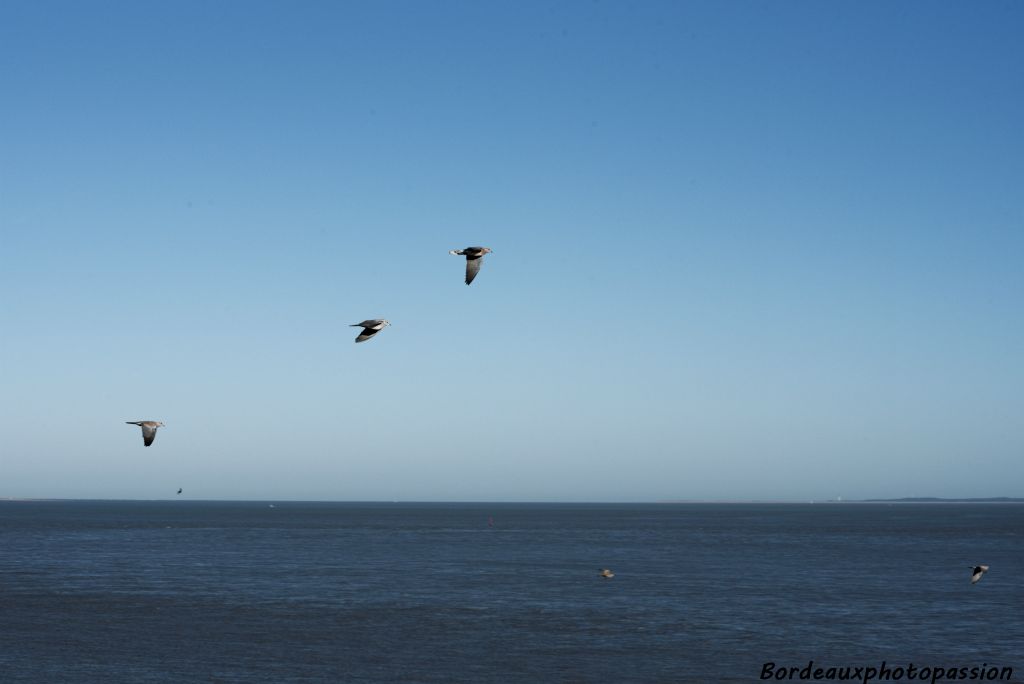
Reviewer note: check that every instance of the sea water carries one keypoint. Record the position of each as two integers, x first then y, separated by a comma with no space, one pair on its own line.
186,591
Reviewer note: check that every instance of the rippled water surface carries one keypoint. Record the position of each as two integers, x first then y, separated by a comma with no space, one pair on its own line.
326,592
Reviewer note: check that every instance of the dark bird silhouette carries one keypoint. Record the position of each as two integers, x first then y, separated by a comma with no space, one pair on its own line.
474,259
976,572
179,490
370,328
148,429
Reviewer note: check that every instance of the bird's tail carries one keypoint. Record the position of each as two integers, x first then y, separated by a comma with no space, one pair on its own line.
456,252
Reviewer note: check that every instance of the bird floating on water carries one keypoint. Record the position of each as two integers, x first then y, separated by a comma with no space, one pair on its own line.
607,574
474,258
370,328
148,429
977,572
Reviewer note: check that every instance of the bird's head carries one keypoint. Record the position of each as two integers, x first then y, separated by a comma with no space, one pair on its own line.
387,323
487,250
159,424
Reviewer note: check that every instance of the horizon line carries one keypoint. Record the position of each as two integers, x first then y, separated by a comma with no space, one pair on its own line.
667,502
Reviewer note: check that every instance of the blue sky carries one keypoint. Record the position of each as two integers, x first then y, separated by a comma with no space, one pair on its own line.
741,249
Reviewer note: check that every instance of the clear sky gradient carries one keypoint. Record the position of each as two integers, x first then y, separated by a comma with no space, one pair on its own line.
768,250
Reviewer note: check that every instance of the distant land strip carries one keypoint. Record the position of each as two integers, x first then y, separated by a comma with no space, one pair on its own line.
906,499
936,499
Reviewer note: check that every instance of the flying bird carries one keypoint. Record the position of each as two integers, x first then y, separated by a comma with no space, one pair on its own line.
607,574
148,429
370,328
977,572
179,490
474,257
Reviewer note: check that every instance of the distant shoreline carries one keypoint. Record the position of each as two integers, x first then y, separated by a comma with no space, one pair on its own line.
934,499
905,500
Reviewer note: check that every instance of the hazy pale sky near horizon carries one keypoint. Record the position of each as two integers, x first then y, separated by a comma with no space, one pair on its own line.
763,250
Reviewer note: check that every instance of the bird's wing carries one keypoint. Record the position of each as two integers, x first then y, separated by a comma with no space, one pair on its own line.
472,268
148,434
369,323
366,334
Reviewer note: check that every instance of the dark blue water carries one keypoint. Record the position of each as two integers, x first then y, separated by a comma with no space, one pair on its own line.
304,592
